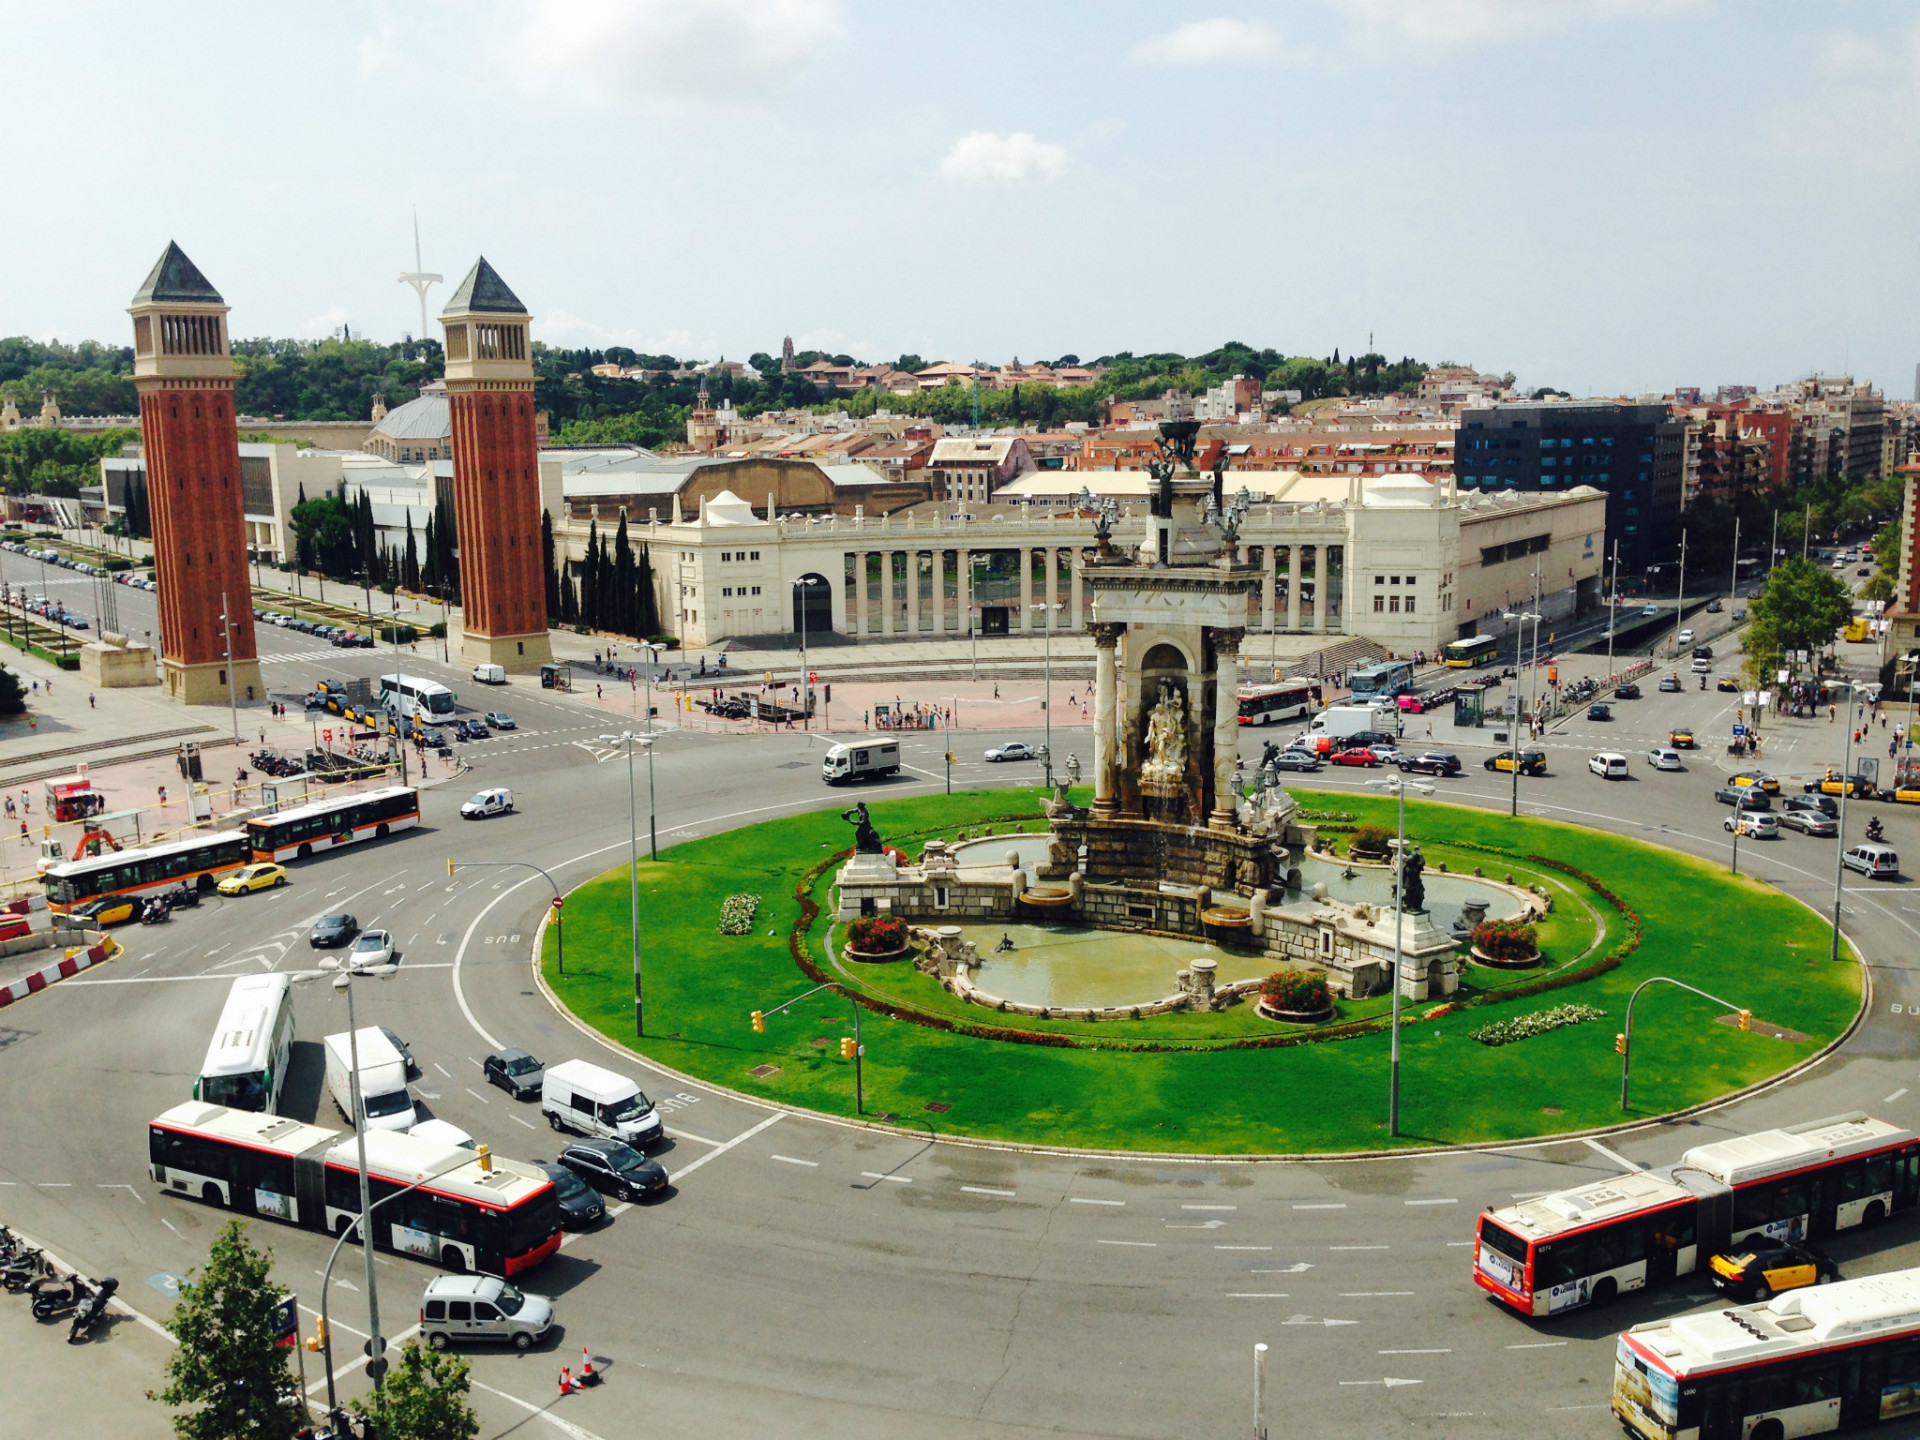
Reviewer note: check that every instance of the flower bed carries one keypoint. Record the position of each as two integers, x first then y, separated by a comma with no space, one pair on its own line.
872,939
1299,997
736,914
1538,1022
1506,944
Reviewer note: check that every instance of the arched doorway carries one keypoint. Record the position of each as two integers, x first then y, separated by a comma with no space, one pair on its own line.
813,603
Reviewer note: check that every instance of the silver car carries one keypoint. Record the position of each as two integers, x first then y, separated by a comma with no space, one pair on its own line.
482,1307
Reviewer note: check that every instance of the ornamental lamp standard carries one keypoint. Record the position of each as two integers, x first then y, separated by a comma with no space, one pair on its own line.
629,739
1397,787
804,587
1046,705
1516,755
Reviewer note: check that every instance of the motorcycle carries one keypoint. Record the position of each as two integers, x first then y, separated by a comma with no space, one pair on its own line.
156,911
186,897
53,1297
1875,832
90,1310
21,1270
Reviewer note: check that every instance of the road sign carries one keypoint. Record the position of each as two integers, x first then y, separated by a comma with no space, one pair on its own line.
1739,729
557,901
286,1321
327,735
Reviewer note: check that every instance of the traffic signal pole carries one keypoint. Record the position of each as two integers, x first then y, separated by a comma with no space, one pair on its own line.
559,935
850,1048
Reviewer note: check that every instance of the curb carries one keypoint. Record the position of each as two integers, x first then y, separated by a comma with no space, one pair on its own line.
72,965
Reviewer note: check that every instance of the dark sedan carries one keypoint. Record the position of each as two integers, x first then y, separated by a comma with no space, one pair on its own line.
330,932
1432,762
614,1168
471,730
1743,797
1599,710
1626,690
1295,760
580,1204
516,1072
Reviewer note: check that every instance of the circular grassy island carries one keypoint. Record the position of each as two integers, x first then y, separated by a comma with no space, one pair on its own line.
1231,1082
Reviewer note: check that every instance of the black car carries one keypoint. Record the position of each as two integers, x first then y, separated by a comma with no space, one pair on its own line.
1703,652
471,730
516,1072
406,1051
1432,762
330,932
1626,690
1599,710
580,1205
1743,797
615,1168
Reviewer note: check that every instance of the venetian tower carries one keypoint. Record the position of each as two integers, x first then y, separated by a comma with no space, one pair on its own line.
496,473
183,370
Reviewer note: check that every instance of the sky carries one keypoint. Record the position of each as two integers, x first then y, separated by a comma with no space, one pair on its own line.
1605,196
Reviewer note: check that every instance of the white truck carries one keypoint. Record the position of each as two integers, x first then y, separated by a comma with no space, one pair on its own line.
588,1100
873,760
1339,721
383,1078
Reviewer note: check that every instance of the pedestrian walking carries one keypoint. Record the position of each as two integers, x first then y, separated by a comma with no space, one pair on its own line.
90,704
163,794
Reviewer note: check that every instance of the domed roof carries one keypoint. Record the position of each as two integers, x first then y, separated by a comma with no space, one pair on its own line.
1402,490
727,508
425,418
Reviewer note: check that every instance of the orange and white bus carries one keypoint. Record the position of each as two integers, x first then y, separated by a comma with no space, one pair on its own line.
329,824
1810,1362
198,861
1289,699
1587,1245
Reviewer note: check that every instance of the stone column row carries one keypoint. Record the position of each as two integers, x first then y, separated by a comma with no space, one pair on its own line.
1226,722
1105,702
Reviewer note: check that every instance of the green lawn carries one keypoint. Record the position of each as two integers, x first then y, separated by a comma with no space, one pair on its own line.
1730,936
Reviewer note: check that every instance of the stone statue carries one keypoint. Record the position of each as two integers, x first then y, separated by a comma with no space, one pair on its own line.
1164,771
1267,753
1413,891
866,839
1162,473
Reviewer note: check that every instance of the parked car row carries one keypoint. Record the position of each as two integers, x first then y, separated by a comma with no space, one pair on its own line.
51,610
336,635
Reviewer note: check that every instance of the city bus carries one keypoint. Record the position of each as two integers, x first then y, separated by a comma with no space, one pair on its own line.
1289,699
1472,654
1809,1362
198,861
1584,1246
1383,681
405,695
246,1063
474,1213
329,824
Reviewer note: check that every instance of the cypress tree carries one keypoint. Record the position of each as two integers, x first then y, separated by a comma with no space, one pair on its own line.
625,616
648,621
431,577
590,578
410,561
552,575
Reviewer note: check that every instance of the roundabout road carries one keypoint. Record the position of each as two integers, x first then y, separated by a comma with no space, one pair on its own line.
805,1277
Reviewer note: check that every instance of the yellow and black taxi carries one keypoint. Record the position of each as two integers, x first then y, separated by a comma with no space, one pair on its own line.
1759,781
1727,685
1682,739
249,878
1906,792
1752,1272
1532,762
108,910
1834,783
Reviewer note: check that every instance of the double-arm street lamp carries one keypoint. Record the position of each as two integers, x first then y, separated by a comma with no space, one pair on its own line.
1397,786
629,739
804,589
1518,754
1046,705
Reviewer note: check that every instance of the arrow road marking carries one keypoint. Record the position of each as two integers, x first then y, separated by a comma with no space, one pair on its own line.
1298,1268
1309,1320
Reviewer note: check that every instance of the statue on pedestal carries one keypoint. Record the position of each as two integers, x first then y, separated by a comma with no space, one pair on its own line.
1413,891
866,839
1164,771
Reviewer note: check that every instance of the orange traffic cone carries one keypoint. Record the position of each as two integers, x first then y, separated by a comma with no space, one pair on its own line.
587,1377
566,1381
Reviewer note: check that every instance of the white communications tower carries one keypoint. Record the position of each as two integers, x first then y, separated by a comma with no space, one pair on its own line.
418,278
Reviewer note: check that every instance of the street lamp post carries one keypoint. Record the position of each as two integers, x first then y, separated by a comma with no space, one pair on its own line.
804,587
1613,608
1840,829
1516,754
629,739
1046,705
376,1343
1680,604
1397,786
973,603
653,658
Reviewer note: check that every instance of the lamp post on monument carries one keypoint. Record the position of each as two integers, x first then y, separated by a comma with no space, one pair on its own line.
1397,787
1517,753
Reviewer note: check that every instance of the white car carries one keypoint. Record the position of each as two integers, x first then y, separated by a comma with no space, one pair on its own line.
445,1131
497,801
1685,637
1665,758
1012,750
1609,765
373,948
1758,826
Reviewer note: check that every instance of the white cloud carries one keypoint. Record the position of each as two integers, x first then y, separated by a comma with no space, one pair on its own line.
327,322
1861,107
381,51
993,158
664,53
570,331
1210,42
1433,26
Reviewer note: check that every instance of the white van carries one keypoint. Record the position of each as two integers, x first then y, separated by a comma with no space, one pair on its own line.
1609,765
1339,721
1876,862
497,801
874,760
590,1101
490,674
383,1078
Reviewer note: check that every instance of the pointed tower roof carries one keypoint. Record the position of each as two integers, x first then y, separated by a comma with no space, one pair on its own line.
483,292
176,280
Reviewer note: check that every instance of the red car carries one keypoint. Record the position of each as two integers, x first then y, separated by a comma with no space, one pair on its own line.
1356,757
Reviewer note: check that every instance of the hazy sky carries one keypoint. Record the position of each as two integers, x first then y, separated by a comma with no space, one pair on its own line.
1613,195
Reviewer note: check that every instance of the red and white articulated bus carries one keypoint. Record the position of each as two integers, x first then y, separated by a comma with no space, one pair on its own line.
475,1213
1810,1362
1586,1245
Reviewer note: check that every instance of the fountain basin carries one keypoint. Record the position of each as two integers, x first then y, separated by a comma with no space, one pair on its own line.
1074,967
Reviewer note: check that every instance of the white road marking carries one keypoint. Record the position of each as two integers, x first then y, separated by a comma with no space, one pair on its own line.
1420,1352
1299,1267
128,1188
1539,1345
1257,1295
1895,1096
1358,1247
897,1179
1209,1207
1457,1244
528,1123
477,1095
1389,1381
688,1135
565,1427
791,1160
1243,1247
1530,1194
443,1069
722,1149
981,1190
1082,1200
1448,1201
1613,1155
171,1226
1136,1244
1337,1205
1374,1294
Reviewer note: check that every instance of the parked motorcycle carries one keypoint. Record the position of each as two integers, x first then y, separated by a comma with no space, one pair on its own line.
54,1297
91,1310
186,897
21,1270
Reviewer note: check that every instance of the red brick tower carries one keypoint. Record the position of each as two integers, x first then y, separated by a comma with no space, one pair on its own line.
184,373
496,474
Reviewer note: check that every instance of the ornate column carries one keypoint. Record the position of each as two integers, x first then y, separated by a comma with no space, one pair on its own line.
1293,587
886,591
1226,722
1320,587
1105,741
1026,588
860,559
963,557
913,593
1267,588
1079,610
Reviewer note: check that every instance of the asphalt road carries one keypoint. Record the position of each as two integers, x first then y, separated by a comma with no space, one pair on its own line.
808,1278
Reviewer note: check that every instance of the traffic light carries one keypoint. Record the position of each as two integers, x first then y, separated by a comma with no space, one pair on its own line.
449,867
318,1341
759,1022
486,1157
1620,1044
949,757
846,1047
1746,1019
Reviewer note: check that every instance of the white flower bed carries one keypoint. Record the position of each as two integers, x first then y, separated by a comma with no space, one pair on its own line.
1525,1027
736,914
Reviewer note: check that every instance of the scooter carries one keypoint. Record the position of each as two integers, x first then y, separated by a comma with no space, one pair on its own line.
53,1298
1875,832
91,1310
186,897
156,911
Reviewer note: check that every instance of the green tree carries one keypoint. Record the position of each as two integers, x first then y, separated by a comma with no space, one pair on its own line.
546,561
424,1397
1801,607
226,1362
13,695
323,532
1880,587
